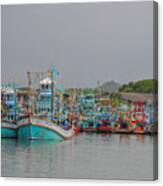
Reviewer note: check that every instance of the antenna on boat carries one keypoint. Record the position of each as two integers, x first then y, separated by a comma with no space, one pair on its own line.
15,101
99,88
52,89
29,79
53,73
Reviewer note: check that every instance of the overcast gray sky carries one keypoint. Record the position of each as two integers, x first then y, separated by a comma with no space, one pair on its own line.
85,42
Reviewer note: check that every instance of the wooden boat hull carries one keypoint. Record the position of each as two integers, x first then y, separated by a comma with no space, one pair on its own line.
89,129
37,128
8,130
139,130
88,126
78,129
123,131
104,129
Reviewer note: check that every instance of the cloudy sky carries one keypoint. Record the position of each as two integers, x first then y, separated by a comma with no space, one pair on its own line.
85,42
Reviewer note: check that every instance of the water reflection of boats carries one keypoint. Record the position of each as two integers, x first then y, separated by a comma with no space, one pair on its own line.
125,138
140,138
128,138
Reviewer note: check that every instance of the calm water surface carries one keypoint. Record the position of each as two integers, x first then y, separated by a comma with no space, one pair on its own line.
85,156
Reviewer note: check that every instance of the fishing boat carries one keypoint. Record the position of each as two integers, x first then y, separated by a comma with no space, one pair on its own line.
87,106
43,122
104,128
123,127
8,112
104,123
139,122
89,125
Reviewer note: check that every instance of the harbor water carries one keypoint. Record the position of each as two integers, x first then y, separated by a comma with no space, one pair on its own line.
93,156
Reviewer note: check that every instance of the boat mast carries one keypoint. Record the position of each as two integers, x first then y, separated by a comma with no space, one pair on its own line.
52,98
15,102
29,79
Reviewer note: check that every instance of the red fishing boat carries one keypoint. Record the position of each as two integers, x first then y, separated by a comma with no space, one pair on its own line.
104,126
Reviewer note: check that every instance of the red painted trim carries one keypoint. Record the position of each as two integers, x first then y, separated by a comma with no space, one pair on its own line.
23,124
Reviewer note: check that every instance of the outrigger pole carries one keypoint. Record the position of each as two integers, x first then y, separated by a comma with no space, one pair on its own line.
52,98
53,72
29,79
15,100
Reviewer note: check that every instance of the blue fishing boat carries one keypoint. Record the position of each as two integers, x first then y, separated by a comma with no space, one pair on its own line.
43,122
8,112
87,112
37,127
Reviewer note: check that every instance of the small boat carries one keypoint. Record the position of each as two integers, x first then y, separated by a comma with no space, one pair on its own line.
8,114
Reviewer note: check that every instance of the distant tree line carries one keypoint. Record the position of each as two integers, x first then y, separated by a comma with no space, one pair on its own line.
142,86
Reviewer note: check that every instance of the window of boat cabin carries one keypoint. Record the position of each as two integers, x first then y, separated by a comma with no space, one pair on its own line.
10,106
11,96
91,124
8,96
12,117
47,86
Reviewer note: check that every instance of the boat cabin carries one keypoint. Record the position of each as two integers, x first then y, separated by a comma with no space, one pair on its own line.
8,100
87,103
45,97
45,94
